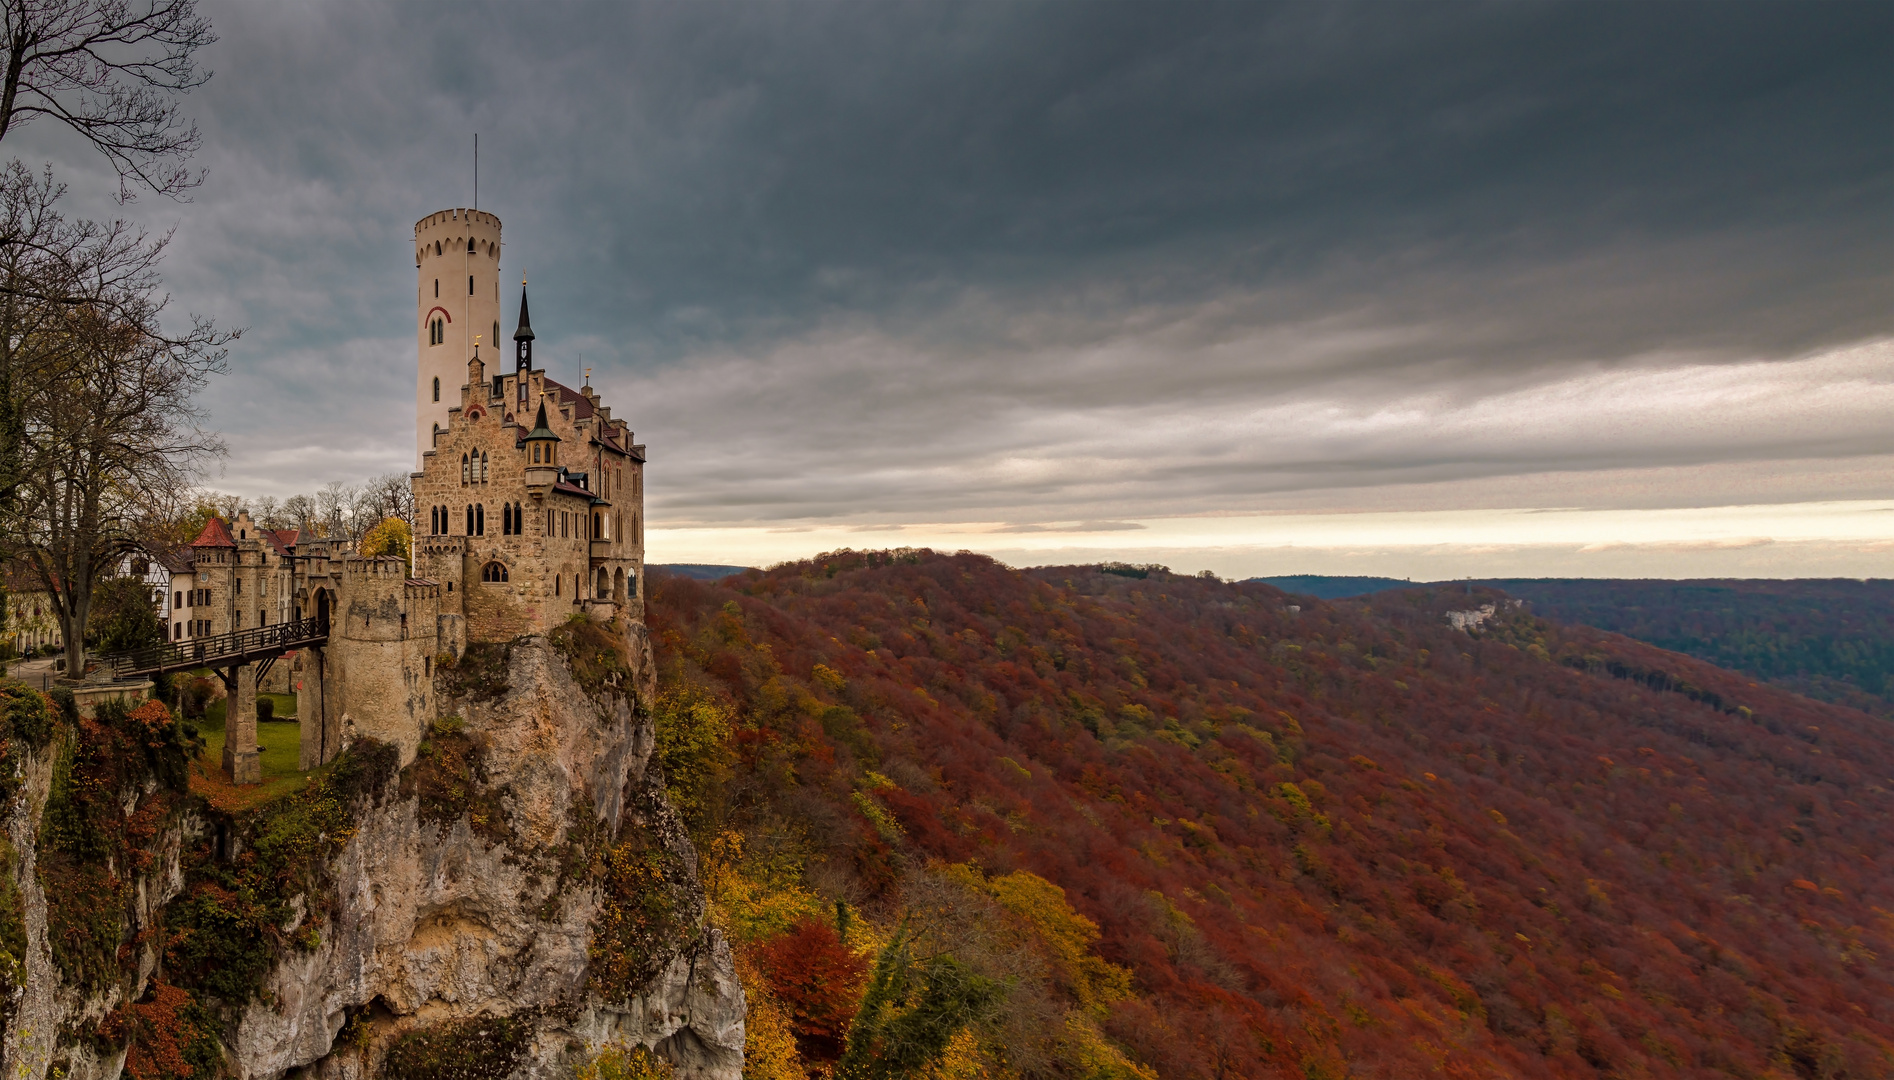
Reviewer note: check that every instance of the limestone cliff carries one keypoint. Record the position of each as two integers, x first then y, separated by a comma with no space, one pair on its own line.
515,897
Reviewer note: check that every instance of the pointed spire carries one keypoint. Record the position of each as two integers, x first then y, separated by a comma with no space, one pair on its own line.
525,332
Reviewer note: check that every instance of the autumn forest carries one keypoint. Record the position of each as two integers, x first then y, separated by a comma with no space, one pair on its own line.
1115,822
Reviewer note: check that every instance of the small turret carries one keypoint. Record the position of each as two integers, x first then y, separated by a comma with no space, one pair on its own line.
542,464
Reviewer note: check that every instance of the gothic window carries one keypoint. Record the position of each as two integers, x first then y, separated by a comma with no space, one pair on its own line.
483,467
437,389
493,571
465,476
506,519
535,453
470,522
470,245
480,520
437,247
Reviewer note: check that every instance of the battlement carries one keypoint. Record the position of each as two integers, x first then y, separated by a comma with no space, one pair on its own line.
446,232
380,566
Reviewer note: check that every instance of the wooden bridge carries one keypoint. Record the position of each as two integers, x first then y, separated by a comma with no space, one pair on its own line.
261,645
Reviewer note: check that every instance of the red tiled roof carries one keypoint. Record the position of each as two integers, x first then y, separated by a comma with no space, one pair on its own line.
215,534
581,405
571,489
283,540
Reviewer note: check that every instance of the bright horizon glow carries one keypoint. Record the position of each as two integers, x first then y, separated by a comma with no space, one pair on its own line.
1851,538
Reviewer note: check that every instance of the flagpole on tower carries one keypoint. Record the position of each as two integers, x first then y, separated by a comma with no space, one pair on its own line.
476,170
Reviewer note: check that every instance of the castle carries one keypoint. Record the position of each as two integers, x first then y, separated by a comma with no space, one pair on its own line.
529,510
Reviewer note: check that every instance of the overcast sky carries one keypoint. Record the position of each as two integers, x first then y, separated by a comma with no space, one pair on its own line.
1069,273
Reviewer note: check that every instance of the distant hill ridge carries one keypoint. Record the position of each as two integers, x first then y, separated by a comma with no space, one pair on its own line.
1829,638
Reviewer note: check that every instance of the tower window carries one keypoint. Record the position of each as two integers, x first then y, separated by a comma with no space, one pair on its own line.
470,245
437,251
437,281
493,571
437,389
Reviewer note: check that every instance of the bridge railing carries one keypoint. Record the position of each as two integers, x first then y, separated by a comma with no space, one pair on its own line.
222,647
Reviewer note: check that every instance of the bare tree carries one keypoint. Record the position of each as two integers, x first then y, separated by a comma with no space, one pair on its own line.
108,434
111,70
394,497
299,512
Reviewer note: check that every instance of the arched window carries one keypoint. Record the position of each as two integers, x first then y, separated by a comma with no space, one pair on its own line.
604,585
465,476
470,245
535,453
596,533
437,389
437,247
493,571
480,520
470,522
483,466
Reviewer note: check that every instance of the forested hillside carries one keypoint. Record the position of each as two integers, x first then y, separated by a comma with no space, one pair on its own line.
1064,822
1830,639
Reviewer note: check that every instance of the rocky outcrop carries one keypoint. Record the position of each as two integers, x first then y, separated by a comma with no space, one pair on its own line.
521,894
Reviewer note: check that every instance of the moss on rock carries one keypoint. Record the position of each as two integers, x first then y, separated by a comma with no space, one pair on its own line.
476,1048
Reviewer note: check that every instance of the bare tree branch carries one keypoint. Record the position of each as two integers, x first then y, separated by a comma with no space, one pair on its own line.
112,71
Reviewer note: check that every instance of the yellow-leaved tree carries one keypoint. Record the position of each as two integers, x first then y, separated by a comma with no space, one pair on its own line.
391,537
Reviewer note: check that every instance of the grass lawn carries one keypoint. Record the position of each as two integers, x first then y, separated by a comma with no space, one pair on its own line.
279,744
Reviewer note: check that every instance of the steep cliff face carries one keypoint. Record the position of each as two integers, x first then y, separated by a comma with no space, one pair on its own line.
515,898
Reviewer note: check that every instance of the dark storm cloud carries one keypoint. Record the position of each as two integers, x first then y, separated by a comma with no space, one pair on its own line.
1078,260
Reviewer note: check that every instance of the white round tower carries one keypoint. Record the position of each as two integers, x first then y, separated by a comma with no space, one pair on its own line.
457,262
